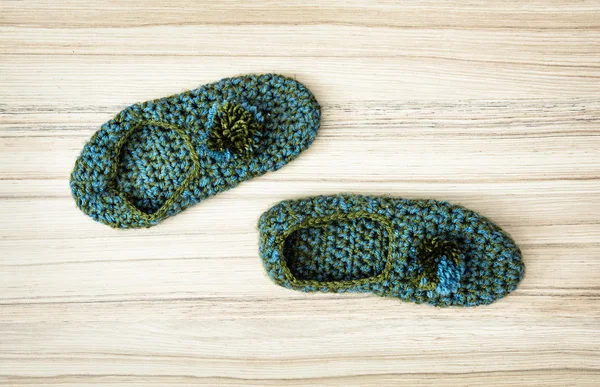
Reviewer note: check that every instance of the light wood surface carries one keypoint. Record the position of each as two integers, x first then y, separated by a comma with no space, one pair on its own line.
489,104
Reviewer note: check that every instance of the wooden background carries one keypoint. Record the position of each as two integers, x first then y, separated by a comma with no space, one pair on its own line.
489,104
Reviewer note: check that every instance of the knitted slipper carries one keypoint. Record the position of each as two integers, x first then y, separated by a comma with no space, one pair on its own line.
156,158
424,251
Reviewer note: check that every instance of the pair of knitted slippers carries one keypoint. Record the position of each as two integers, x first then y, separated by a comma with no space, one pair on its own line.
157,158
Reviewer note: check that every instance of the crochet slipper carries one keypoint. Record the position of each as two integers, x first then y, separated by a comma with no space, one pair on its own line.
424,251
156,158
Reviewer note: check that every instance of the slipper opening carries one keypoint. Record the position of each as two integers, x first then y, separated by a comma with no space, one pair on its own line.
339,250
154,162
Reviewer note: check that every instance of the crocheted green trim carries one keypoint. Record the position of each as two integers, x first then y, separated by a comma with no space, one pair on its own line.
234,129
321,222
173,198
429,253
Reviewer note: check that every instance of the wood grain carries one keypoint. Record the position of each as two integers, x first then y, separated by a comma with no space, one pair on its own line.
492,105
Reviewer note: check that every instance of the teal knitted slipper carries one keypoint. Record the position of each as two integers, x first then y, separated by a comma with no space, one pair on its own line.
424,251
156,158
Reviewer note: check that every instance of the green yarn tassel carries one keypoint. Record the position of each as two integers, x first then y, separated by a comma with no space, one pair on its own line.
429,253
234,129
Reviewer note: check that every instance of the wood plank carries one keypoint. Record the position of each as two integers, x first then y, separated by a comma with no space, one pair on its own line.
553,49
545,377
121,80
191,273
456,14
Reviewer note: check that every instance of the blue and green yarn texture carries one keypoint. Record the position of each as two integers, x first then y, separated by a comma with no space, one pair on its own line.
423,251
157,158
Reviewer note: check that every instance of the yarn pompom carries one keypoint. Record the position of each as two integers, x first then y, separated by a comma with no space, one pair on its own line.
441,265
234,129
